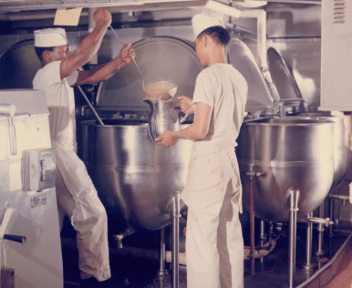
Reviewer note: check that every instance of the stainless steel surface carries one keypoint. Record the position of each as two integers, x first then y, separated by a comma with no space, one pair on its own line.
135,178
159,59
287,88
129,5
241,57
294,199
90,106
134,61
176,215
18,66
302,57
292,21
292,153
162,118
162,254
309,238
281,75
342,153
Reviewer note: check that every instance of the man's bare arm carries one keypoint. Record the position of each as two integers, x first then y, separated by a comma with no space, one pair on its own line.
89,46
105,71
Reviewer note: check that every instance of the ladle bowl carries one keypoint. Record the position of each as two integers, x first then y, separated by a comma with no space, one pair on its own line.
162,90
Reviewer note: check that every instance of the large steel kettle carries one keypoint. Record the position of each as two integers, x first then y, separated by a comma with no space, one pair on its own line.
162,100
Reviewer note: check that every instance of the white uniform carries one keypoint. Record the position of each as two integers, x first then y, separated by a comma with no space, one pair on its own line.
213,192
77,196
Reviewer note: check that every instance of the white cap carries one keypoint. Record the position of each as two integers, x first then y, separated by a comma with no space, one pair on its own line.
50,37
200,22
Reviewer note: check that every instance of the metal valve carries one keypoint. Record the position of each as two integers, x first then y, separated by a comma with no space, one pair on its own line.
326,222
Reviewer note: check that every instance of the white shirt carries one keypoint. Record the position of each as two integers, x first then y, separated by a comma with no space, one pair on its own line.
224,89
61,104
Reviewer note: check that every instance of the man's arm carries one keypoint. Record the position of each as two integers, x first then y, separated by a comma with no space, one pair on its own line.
105,71
195,131
89,46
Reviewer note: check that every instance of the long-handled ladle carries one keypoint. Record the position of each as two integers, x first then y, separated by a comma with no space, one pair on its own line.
90,105
134,61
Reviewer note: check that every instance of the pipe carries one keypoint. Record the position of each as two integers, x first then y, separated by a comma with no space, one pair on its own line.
162,255
320,229
251,175
224,9
119,238
120,6
294,198
308,266
252,224
176,215
260,14
331,215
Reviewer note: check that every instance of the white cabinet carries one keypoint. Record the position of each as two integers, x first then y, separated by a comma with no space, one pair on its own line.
336,57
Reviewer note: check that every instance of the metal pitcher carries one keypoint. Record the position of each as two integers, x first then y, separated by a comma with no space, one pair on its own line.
161,98
163,116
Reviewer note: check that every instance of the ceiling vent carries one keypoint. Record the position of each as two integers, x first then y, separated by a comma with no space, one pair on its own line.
339,11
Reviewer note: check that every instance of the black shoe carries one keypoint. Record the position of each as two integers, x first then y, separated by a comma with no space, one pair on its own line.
94,283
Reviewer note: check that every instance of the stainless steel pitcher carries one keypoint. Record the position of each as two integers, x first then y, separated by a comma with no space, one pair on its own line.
161,98
163,116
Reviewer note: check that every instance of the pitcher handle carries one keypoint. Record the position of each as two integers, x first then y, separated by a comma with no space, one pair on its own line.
183,118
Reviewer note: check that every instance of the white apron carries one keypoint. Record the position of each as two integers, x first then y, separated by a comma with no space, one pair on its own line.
214,242
76,194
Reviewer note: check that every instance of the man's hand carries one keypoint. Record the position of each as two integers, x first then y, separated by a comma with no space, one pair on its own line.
127,53
185,104
102,16
166,139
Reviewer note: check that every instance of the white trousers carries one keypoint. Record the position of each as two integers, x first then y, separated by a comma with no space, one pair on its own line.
214,242
78,198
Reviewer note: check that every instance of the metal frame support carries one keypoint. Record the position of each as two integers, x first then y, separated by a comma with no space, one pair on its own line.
162,256
308,266
331,214
294,198
176,215
321,223
251,175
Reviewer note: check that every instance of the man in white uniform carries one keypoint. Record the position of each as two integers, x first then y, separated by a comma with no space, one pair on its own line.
76,194
214,243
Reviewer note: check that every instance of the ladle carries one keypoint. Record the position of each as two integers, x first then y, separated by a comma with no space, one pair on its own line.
161,90
151,92
134,61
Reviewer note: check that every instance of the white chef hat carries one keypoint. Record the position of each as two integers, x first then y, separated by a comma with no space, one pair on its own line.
50,37
200,22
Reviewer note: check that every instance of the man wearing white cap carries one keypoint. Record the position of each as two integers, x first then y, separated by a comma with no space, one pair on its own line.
213,192
76,194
